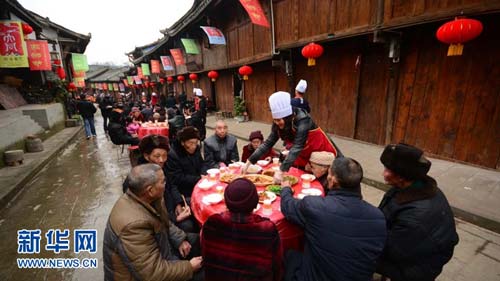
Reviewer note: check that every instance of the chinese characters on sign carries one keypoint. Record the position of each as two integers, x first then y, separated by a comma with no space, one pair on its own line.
79,62
177,55
38,54
145,69
190,46
255,12
215,36
155,66
57,240
167,63
139,73
12,47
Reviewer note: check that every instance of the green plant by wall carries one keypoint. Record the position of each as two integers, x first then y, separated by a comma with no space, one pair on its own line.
239,106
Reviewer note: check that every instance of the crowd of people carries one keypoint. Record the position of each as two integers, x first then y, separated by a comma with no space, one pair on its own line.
152,234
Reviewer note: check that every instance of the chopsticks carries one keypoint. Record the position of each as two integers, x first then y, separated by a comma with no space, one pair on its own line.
184,199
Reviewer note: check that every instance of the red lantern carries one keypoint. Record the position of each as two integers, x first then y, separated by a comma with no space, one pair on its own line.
61,73
57,62
193,77
181,78
245,71
152,84
213,75
457,32
312,51
71,86
162,81
27,29
170,79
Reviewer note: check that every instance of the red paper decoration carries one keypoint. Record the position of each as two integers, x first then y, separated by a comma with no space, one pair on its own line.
170,79
213,75
457,32
312,51
27,29
61,73
245,71
181,78
193,77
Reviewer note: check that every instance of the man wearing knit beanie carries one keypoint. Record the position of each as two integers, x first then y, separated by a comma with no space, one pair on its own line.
421,227
238,239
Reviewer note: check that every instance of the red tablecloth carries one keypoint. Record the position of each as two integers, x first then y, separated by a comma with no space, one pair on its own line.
144,131
292,236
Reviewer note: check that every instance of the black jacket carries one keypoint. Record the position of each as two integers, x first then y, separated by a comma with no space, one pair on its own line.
184,170
86,109
421,232
344,235
221,150
170,103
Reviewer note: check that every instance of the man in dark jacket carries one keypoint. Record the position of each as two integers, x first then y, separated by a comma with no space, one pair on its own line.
87,110
117,131
344,235
185,164
420,224
105,105
170,102
221,147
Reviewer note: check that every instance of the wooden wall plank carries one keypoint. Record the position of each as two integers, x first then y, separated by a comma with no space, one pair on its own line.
283,18
245,41
232,45
224,90
258,88
342,15
307,20
262,40
372,105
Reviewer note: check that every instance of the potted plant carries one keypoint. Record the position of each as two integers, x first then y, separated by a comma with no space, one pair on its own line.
239,109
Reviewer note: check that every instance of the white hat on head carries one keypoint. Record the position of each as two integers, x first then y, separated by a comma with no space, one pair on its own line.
198,92
279,103
301,86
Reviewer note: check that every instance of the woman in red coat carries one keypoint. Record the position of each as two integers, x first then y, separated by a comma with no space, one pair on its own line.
256,138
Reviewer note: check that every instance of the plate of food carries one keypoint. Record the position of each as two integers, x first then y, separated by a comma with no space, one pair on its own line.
260,180
254,169
311,191
266,195
269,172
213,198
274,188
292,179
227,178
205,184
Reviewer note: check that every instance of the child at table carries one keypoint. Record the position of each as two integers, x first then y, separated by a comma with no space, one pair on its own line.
132,125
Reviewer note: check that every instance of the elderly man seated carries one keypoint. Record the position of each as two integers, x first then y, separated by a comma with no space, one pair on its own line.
319,164
139,239
221,148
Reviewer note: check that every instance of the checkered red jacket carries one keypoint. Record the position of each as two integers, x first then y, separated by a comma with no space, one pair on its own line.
241,247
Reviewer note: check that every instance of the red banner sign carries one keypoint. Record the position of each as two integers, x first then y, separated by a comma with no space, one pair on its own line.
255,12
167,64
38,55
104,86
155,66
139,72
177,55
12,49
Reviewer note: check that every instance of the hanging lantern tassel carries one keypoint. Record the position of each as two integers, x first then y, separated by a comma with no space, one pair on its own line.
311,62
213,75
457,32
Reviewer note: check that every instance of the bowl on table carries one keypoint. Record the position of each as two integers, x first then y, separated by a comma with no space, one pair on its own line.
254,169
307,179
262,163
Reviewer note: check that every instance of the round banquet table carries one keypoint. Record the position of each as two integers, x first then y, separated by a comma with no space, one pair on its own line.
292,236
145,130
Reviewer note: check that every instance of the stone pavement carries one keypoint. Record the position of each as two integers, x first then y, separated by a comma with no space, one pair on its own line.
472,192
13,179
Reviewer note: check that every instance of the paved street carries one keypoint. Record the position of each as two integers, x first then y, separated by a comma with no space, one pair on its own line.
78,188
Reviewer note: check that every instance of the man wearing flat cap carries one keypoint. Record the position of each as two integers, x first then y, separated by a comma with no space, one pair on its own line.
420,224
239,244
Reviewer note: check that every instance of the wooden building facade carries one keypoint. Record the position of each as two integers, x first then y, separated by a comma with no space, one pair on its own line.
383,76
